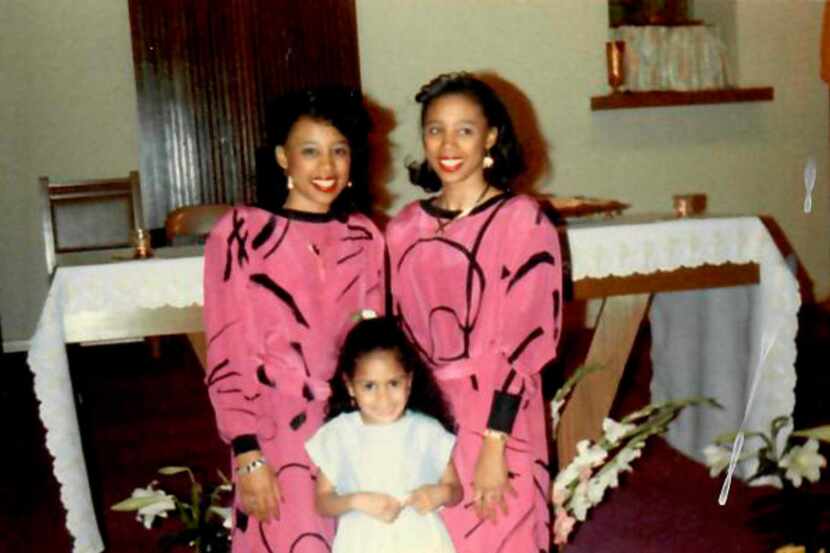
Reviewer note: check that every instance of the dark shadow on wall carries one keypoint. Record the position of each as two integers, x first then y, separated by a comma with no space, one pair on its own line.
534,145
381,167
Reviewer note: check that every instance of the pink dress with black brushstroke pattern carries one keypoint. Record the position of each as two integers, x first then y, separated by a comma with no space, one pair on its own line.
482,300
280,292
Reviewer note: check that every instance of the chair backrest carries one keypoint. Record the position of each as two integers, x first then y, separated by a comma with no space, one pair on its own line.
192,222
82,215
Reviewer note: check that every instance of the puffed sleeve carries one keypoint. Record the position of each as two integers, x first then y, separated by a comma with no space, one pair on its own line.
231,367
440,444
530,317
376,270
322,449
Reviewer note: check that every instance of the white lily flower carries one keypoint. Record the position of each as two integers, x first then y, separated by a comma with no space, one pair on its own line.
614,431
158,508
803,462
716,458
225,513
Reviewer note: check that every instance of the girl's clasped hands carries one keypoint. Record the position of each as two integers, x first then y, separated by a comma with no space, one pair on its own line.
386,508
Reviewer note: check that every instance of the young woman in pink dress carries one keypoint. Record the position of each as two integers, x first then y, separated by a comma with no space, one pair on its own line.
281,289
476,277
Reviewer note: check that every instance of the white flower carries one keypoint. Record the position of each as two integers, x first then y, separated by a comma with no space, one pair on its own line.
803,462
225,514
614,431
588,455
716,458
625,456
609,475
566,476
163,503
559,495
580,503
598,484
555,409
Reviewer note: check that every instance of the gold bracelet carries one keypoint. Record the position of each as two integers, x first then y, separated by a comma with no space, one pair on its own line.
497,434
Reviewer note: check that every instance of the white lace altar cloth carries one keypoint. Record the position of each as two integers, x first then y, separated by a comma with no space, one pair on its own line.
614,247
706,342
110,288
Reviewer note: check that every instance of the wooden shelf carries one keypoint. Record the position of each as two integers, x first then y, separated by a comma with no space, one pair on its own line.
630,100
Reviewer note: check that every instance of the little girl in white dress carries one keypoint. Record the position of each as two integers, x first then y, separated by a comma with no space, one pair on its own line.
384,456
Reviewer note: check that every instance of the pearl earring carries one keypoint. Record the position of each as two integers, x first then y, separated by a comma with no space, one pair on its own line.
349,184
290,183
487,162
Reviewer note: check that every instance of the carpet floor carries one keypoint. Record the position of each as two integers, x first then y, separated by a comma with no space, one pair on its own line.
138,414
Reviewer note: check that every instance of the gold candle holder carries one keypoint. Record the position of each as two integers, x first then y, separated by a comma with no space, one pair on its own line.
140,239
615,64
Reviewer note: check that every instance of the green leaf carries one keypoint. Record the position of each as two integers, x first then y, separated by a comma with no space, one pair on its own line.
777,424
136,503
169,471
571,383
222,477
819,433
727,438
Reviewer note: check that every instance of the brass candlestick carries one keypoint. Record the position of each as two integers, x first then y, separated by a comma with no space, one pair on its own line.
615,62
141,243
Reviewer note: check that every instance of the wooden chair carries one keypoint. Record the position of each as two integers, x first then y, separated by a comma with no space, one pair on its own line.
81,215
192,222
187,225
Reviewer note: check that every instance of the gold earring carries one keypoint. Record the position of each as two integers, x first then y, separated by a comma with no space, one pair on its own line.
487,162
290,183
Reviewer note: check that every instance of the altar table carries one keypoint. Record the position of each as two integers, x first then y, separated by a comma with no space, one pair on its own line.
163,295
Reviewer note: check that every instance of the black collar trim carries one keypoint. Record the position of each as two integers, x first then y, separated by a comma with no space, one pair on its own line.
437,211
306,216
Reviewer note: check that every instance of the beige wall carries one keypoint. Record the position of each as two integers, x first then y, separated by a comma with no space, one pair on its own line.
746,157
68,109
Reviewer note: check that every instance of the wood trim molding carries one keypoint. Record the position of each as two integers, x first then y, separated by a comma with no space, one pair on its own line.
694,278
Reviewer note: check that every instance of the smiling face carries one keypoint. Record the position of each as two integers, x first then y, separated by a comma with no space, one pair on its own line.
317,157
456,138
380,386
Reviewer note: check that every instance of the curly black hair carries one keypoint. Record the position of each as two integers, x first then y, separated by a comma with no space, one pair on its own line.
345,110
506,152
384,333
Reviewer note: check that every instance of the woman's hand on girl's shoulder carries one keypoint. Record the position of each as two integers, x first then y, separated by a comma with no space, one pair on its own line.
381,506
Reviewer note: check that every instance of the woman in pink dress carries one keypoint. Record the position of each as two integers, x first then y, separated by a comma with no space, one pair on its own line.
477,283
281,288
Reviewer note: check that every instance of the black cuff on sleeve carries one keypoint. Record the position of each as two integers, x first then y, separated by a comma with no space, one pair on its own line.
244,444
503,411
